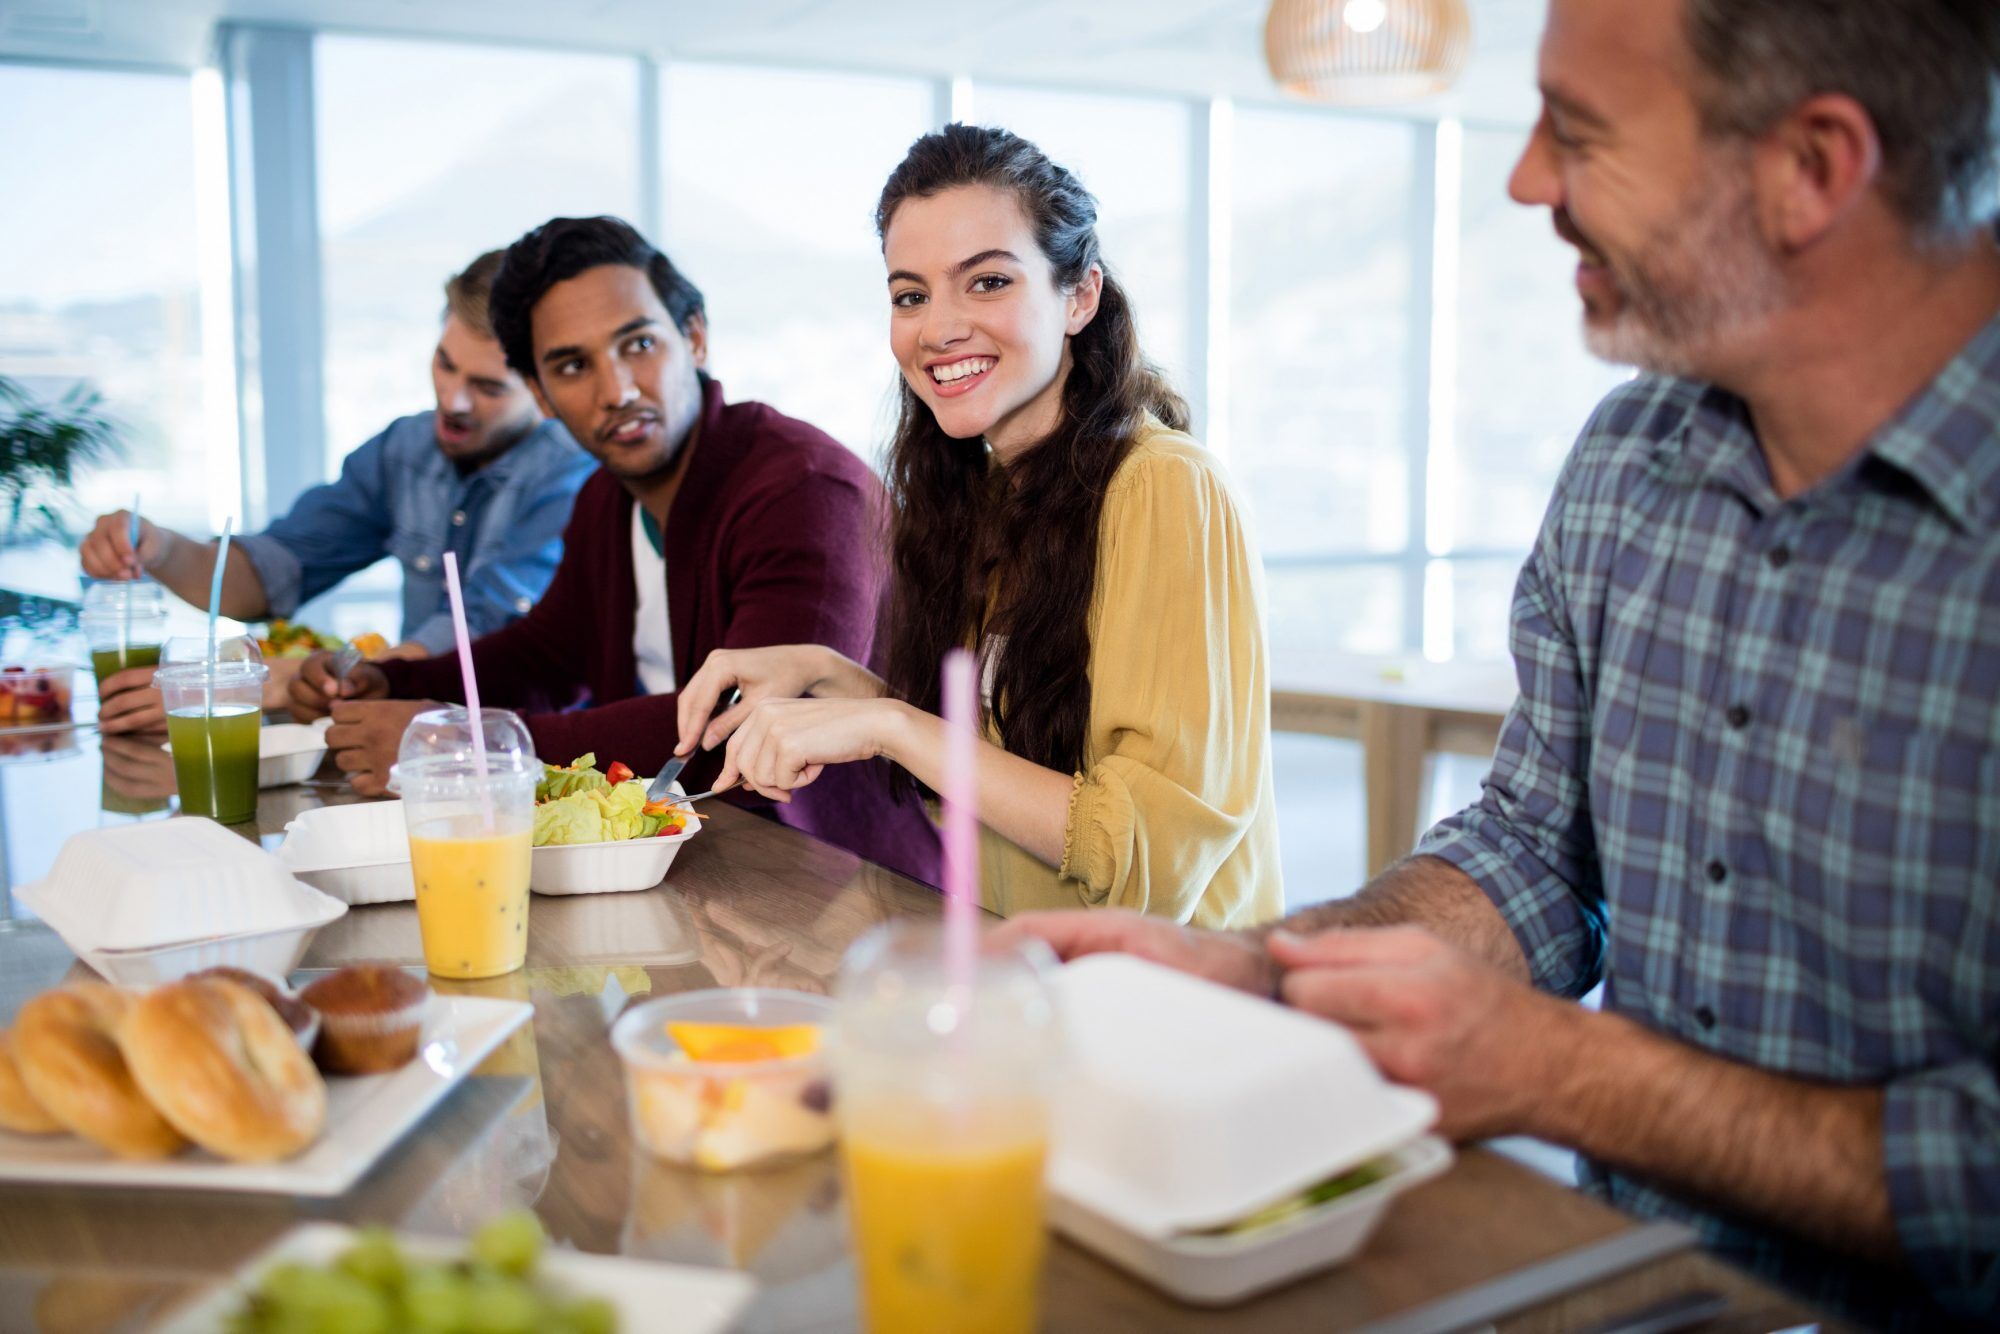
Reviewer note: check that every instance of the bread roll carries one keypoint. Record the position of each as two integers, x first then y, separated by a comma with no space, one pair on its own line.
19,1112
66,1046
224,1069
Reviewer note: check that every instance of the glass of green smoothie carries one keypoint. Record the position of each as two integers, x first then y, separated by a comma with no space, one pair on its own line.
215,717
124,624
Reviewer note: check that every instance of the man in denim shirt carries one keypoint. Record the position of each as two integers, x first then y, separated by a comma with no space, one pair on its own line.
1752,782
483,475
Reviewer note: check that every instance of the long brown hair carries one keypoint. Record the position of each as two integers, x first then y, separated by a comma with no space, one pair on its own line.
954,518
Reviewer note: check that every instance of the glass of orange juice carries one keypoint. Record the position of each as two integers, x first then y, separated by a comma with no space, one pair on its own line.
470,818
941,1089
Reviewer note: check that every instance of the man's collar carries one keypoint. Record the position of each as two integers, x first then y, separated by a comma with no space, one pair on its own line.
1947,438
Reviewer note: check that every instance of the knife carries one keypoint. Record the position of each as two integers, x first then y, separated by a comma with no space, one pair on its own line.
662,787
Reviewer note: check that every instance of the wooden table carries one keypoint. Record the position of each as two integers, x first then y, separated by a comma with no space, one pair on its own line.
543,1122
1402,711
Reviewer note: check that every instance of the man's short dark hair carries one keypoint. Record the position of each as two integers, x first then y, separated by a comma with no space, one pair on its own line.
560,249
1925,71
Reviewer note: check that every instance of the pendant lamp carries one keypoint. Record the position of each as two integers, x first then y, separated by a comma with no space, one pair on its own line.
1366,51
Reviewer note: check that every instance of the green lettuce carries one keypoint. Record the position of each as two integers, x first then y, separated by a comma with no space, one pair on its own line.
580,776
601,814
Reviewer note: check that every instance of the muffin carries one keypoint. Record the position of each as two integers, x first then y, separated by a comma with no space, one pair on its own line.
371,1018
298,1016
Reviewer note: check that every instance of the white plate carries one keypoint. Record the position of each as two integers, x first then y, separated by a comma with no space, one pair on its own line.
690,1300
365,1116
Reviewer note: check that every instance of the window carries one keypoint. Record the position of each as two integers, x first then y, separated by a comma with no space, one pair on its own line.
100,276
429,154
1525,384
1322,296
1132,153
772,178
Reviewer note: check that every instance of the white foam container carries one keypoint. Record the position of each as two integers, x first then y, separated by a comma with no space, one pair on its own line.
147,903
358,852
616,867
287,753
1219,1270
1187,1106
169,882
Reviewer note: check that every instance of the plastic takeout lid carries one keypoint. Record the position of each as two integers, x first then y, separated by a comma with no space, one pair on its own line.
163,882
335,838
642,1040
229,649
441,739
1188,1105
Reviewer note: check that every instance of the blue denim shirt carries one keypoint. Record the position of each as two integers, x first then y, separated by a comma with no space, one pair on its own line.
398,495
1753,783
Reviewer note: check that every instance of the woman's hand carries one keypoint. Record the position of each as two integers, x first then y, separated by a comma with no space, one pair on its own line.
783,671
783,744
129,702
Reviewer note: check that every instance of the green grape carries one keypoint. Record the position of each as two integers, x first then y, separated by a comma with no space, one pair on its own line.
591,1315
374,1258
434,1300
510,1243
353,1307
503,1306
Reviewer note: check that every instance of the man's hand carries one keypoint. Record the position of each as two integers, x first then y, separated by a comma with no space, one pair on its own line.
107,551
128,702
1429,1015
314,690
1233,959
365,736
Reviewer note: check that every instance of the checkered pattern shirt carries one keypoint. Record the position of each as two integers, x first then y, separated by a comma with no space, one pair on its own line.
1752,783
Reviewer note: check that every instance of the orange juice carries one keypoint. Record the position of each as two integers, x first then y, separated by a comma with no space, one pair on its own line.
947,1220
472,902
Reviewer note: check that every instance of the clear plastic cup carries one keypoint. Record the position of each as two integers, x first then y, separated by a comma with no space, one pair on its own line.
124,624
470,823
215,711
941,1092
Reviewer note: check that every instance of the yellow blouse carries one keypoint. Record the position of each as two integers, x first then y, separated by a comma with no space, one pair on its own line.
1173,813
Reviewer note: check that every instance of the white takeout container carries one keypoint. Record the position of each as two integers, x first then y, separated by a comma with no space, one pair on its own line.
287,753
1187,1105
615,867
358,852
1215,1270
148,903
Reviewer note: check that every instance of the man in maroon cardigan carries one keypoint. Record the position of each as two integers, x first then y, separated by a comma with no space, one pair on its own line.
766,527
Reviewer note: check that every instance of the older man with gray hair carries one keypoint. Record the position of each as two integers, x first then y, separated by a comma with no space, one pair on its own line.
1752,783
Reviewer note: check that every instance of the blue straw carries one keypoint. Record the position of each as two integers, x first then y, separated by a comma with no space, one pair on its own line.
215,604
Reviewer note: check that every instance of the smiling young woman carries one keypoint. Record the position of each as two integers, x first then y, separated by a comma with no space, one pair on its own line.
1047,509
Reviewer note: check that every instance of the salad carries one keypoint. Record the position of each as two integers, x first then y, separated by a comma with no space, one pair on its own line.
289,639
575,803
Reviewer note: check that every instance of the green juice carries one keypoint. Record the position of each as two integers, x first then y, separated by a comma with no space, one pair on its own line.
215,760
108,662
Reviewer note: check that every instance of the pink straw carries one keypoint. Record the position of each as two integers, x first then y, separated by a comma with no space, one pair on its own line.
961,818
471,682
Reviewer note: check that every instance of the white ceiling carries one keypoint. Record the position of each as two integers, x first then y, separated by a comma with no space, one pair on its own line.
1199,47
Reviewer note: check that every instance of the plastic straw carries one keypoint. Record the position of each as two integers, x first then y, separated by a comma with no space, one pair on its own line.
132,537
471,683
215,606
961,818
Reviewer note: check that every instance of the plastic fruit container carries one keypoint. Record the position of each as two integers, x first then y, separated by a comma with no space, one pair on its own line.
727,1079
33,695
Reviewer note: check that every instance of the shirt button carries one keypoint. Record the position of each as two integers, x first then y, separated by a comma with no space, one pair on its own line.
422,562
523,606
458,518
1705,1017
1717,872
1739,717
1779,557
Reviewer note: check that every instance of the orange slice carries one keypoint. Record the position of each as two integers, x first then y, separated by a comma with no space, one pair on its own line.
739,1043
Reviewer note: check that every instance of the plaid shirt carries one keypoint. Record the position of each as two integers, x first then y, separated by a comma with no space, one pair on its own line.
1752,783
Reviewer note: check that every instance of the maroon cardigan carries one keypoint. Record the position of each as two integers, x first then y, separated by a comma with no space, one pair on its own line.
773,539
